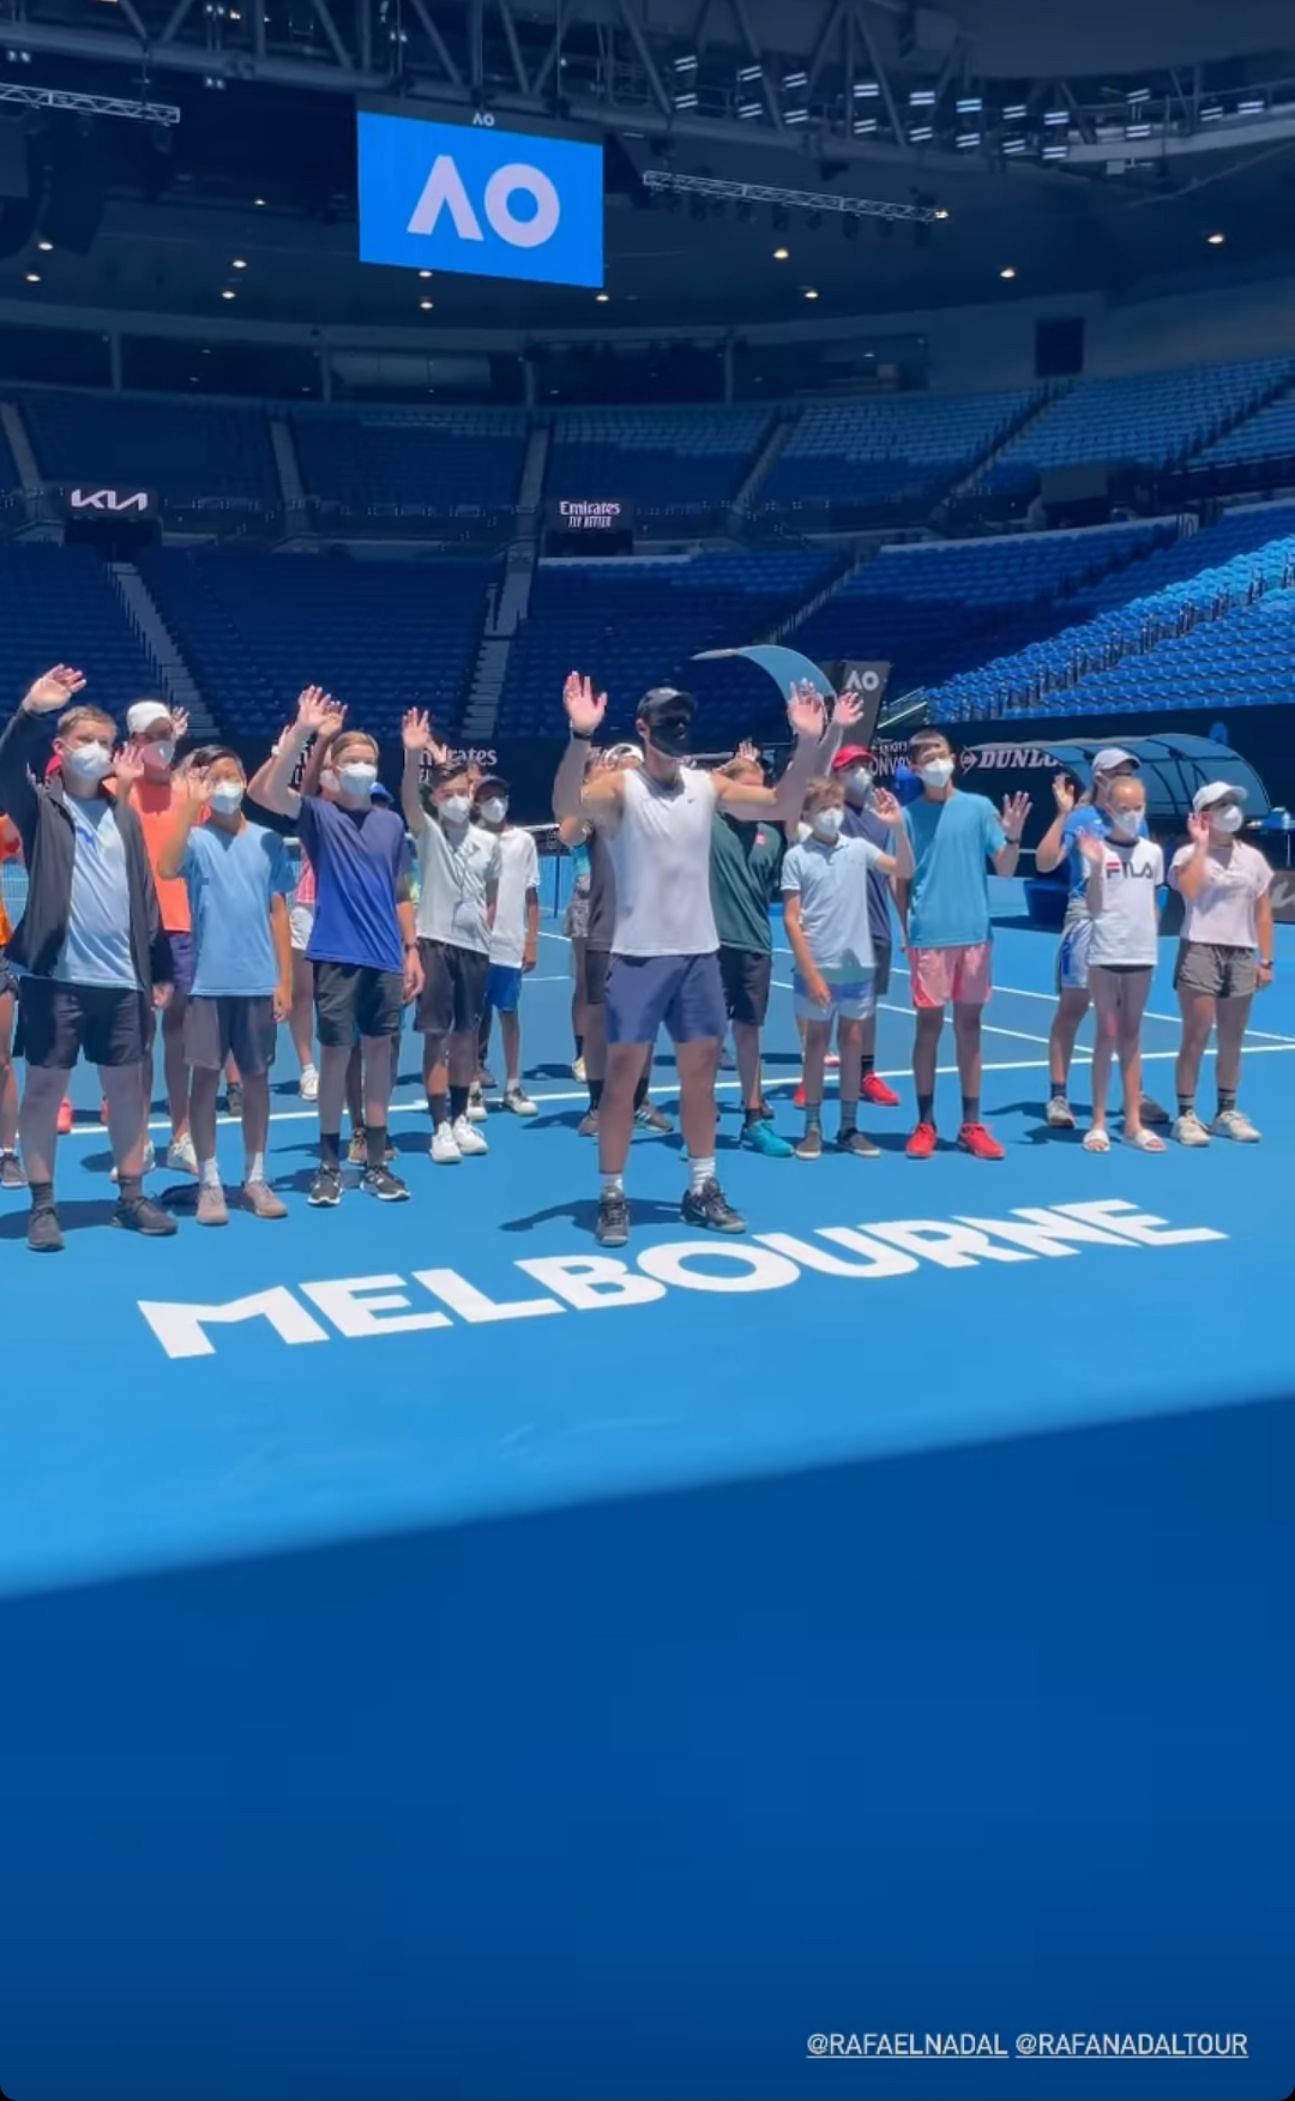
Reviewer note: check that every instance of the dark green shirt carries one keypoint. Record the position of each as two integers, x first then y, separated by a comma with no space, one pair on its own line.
745,878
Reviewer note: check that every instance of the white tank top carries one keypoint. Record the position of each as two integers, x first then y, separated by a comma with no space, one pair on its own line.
661,855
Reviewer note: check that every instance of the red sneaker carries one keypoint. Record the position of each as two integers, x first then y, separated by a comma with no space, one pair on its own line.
874,1089
798,1098
980,1143
64,1117
922,1143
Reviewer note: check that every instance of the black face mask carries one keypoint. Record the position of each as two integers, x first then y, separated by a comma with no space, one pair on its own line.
673,737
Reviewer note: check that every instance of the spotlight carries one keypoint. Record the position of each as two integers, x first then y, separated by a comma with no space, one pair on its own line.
1008,271
227,294
602,298
46,247
259,202
33,277
942,211
238,263
782,255
810,293
424,305
424,273
1215,240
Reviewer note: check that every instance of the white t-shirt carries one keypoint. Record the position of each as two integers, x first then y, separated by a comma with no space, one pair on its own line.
519,872
455,871
1124,930
661,854
1223,912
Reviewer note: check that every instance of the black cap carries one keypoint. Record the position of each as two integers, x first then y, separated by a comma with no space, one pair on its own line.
489,781
665,704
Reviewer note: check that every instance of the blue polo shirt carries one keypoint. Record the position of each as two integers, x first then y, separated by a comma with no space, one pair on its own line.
358,857
949,905
233,879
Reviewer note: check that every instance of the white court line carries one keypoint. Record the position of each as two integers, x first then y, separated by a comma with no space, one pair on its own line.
671,1088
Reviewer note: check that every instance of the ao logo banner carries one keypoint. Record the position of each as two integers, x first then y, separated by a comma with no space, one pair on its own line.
486,202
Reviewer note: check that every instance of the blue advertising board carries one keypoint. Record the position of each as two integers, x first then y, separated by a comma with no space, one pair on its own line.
478,200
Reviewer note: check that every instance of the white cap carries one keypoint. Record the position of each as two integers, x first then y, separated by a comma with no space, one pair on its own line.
1216,791
142,717
1107,761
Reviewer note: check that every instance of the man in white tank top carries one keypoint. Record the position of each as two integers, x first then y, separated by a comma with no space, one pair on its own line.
665,950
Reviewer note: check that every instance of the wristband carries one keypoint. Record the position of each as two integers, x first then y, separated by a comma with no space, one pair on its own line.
582,736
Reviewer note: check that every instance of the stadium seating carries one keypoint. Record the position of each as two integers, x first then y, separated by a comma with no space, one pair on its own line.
1264,445
852,458
384,636
636,623
399,468
1154,419
59,605
1118,653
935,606
197,455
680,468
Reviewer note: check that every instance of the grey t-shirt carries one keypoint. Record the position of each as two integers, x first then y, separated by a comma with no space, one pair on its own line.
832,884
456,868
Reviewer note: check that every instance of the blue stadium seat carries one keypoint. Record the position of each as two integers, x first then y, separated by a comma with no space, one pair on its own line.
195,454
680,468
402,467
853,456
59,605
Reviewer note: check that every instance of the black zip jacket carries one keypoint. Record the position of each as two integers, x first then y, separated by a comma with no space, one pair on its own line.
40,812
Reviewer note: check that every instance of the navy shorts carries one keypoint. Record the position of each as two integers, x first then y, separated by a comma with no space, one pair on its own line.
684,992
504,987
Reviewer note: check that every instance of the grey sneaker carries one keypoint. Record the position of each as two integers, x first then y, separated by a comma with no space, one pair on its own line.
261,1201
1234,1123
1189,1130
212,1208
858,1143
810,1147
1059,1116
520,1103
12,1174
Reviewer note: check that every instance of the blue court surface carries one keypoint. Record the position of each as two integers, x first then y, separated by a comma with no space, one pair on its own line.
440,1659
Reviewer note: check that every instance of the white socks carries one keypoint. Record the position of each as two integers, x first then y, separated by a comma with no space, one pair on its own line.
209,1174
255,1169
613,1185
702,1171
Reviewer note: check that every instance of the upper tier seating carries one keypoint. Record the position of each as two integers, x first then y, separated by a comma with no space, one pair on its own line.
194,454
680,468
404,467
59,605
384,636
852,457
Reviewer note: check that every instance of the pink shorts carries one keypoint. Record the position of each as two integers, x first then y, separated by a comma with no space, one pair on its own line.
960,974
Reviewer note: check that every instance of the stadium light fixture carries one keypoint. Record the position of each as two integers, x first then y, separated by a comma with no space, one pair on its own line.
799,115
1008,271
1014,113
1212,113
1013,146
601,298
1215,240
970,106
1054,117
920,133
747,110
1137,131
965,141
863,126
782,255
686,64
33,277
239,263
687,100
46,247
922,98
791,81
1251,106
227,294
1137,96
746,74
810,293
425,306
864,90
1058,150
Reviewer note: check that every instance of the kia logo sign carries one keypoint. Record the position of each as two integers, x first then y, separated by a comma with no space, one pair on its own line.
485,202
85,499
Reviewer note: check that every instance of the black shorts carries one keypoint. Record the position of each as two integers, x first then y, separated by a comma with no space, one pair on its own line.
881,953
747,975
597,964
354,999
454,989
242,1027
57,1024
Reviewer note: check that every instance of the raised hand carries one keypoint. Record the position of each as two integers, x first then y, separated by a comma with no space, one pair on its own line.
805,710
127,767
847,710
1092,848
1063,793
335,720
180,723
1198,828
416,730
55,689
1016,808
886,806
749,752
585,709
192,785
314,707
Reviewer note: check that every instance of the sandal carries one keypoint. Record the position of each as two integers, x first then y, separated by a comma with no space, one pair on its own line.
1146,1141
1096,1142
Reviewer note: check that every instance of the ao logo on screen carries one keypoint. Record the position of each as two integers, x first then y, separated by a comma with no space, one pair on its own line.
481,201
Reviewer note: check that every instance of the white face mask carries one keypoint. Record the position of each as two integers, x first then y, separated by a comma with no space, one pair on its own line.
357,779
456,809
226,797
937,773
1229,819
861,780
495,810
159,754
1128,823
90,762
827,823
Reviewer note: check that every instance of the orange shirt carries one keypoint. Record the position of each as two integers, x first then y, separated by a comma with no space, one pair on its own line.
153,801
11,852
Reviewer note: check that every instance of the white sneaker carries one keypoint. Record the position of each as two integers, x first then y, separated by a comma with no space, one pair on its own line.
1058,1115
181,1156
467,1139
1189,1130
519,1101
150,1162
578,1071
443,1149
1234,1123
308,1085
477,1111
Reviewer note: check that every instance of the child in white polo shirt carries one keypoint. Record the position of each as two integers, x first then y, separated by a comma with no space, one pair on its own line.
1124,875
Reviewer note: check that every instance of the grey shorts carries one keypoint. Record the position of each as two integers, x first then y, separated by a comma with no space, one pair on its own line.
243,1028
1218,972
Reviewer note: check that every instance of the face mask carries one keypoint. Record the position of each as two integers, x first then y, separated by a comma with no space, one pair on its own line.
861,780
357,779
1228,819
1128,823
827,823
159,754
672,738
495,810
456,809
226,797
937,773
89,763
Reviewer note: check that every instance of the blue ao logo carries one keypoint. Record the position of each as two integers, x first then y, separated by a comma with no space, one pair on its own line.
479,201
